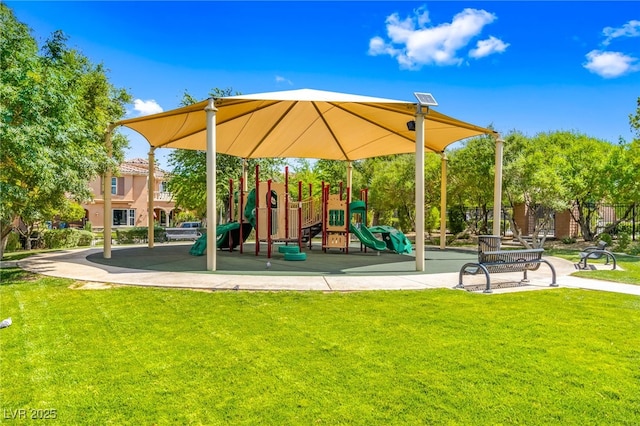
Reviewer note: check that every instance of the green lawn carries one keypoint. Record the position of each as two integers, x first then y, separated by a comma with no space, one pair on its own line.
630,265
140,356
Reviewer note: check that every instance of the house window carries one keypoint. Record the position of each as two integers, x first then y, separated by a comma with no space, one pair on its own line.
124,217
163,187
114,185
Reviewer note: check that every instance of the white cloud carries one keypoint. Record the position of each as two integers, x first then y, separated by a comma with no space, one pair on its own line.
146,107
488,47
610,64
414,44
280,79
630,29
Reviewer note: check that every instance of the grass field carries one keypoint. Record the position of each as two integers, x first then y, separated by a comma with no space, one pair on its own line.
140,356
630,265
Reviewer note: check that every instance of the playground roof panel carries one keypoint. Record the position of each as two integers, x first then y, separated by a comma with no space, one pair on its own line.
303,123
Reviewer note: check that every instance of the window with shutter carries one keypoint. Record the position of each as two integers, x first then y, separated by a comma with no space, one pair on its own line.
120,186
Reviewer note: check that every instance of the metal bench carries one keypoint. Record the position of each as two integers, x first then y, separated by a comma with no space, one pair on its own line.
174,234
493,260
596,252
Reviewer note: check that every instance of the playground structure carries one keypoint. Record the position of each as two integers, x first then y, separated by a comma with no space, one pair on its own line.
277,216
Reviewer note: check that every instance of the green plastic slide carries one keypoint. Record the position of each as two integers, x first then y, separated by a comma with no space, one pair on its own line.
367,238
223,233
394,239
249,208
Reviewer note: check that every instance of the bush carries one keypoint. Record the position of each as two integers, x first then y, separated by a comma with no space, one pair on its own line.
624,239
634,249
457,222
606,238
85,238
13,242
61,238
138,235
568,240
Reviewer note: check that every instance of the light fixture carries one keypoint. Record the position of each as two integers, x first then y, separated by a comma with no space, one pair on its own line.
411,125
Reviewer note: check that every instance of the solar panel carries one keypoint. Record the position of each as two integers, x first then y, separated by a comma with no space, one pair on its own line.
426,99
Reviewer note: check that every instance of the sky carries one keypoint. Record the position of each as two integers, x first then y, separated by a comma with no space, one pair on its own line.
514,65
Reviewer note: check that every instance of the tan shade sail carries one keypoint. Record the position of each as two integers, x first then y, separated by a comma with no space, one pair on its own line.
302,123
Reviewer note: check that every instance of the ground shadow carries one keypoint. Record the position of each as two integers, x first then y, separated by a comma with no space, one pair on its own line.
176,258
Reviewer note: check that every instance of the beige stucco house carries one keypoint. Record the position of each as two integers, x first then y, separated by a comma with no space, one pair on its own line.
129,198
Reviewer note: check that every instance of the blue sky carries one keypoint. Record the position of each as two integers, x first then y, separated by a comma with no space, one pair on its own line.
527,66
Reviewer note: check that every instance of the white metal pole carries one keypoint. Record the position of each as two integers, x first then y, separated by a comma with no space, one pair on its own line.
245,174
211,185
419,189
443,202
151,186
497,186
106,220
349,181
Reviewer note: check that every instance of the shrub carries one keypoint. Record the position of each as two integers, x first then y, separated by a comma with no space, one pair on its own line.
61,238
138,235
88,226
634,249
624,239
606,238
568,240
457,222
13,242
85,238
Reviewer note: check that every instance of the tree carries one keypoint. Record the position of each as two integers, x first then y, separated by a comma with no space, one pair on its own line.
391,183
531,177
471,175
55,106
634,120
556,171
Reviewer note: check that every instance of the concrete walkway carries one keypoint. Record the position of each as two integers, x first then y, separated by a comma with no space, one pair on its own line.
75,265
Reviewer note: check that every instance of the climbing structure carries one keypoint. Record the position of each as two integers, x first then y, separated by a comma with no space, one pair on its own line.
279,217
335,219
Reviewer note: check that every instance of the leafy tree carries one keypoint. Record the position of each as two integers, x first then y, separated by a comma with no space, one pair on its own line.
556,171
391,183
55,106
531,177
471,176
623,171
634,120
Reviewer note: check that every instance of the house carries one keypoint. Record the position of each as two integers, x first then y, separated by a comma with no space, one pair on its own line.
129,198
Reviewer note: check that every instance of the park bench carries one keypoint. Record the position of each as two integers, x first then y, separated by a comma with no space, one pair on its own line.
491,259
174,234
596,252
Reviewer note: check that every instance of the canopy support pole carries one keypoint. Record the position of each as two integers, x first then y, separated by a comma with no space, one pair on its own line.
349,181
443,201
107,219
151,183
497,186
245,175
212,212
420,189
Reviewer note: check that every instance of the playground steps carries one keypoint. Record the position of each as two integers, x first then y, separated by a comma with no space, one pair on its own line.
292,253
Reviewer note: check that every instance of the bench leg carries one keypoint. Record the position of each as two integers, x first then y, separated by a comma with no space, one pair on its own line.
475,265
525,277
553,273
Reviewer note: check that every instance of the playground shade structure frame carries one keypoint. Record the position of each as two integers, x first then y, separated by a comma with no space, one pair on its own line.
302,123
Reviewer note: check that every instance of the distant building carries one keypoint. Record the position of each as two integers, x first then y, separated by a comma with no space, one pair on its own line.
129,198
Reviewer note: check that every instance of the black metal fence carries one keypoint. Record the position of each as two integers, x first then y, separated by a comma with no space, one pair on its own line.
627,216
614,218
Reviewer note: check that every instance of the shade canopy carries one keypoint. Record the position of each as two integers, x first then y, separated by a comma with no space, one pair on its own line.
302,123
